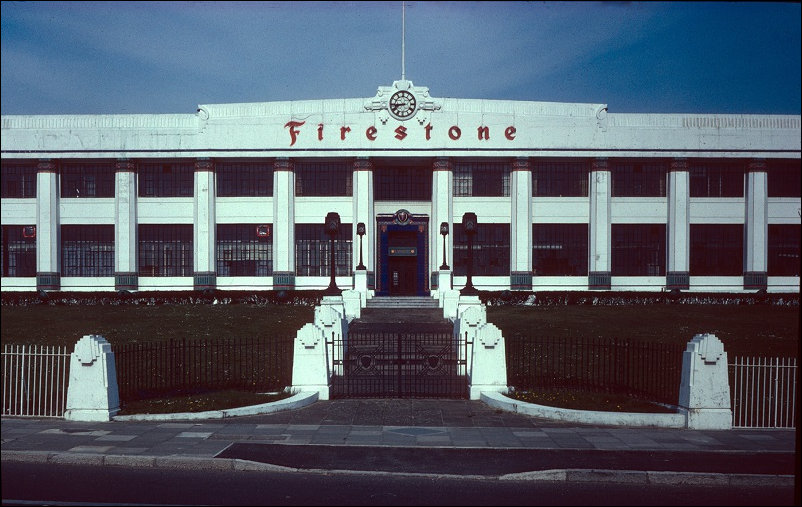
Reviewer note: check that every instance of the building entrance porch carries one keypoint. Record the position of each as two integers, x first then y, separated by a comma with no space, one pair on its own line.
403,252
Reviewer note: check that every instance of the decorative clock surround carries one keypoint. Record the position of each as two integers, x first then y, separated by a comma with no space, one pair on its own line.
403,101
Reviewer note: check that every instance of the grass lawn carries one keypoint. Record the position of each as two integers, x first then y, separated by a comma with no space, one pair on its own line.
751,330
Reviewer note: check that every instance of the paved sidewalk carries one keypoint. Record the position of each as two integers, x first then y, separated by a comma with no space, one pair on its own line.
438,437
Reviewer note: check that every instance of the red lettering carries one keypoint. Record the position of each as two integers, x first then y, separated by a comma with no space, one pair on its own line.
370,133
400,132
428,129
483,132
319,131
343,131
293,132
454,133
510,133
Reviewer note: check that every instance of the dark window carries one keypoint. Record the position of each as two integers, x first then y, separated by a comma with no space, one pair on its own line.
485,179
717,249
18,179
325,178
784,178
312,250
87,250
639,249
560,178
560,249
244,179
639,178
491,250
165,250
402,183
19,250
171,178
784,247
244,250
717,178
83,179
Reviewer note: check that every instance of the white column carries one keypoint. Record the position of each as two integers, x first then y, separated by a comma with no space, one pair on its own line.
756,226
283,224
442,211
205,225
48,228
679,229
599,264
125,226
364,212
521,225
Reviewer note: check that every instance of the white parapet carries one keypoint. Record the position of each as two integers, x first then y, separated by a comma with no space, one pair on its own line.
704,395
488,362
92,393
352,304
310,364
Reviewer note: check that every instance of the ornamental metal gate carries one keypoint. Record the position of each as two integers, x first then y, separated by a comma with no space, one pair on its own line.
398,364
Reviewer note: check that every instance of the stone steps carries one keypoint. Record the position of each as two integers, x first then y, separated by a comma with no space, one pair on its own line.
402,302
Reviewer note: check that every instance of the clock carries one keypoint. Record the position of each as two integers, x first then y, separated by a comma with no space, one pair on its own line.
402,105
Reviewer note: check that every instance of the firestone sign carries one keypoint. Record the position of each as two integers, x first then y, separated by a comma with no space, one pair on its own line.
402,101
294,128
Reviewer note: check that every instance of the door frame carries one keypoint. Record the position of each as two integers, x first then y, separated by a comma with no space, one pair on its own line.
402,220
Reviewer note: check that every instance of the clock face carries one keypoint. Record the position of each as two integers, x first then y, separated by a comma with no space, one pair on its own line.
402,105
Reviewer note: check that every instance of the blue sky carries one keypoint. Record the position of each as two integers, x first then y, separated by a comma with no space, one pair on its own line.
168,57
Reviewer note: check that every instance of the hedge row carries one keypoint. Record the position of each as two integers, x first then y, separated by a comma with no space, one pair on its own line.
313,297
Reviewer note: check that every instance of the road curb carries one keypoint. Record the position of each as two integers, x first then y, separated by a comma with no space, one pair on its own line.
553,475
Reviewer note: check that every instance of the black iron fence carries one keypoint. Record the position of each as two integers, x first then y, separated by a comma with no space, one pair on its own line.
641,369
178,366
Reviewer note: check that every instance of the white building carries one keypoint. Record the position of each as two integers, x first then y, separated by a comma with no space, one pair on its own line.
568,197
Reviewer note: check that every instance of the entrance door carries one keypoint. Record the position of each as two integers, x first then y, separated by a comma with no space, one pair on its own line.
403,263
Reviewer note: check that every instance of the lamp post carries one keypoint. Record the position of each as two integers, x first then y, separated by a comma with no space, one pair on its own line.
469,226
332,227
444,232
360,230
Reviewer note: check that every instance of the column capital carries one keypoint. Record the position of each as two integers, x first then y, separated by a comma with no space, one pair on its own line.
283,164
599,164
46,165
679,164
521,164
204,164
124,165
363,164
442,164
757,165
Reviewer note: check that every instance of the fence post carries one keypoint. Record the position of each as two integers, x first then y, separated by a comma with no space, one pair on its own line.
92,393
704,394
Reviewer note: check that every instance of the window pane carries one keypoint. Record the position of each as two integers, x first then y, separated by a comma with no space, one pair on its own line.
19,250
170,178
717,178
244,250
784,178
485,179
560,249
18,180
784,246
325,178
245,178
87,250
165,250
312,246
638,250
79,179
560,178
399,183
491,250
639,177
716,250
